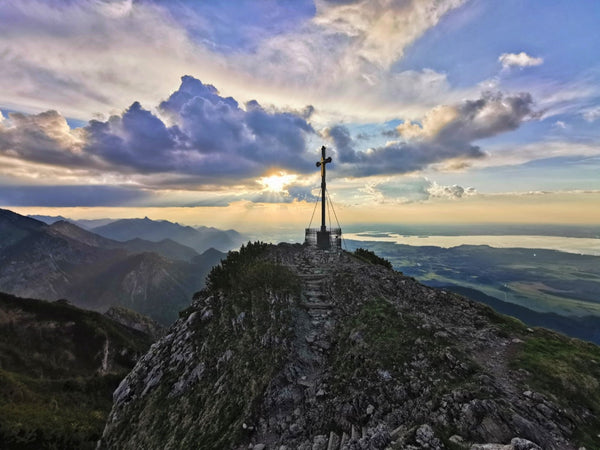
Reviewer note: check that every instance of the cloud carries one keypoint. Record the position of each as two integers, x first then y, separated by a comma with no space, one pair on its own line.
518,60
44,137
342,142
302,193
199,140
209,136
329,54
592,114
71,196
560,124
446,133
91,57
450,192
398,190
136,140
199,148
537,151
342,61
378,31
433,122
226,139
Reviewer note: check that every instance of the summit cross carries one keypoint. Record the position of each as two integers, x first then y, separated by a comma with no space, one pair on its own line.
322,164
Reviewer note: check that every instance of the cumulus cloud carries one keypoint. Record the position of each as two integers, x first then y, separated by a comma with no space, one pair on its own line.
451,192
209,136
446,133
518,60
229,139
342,142
199,139
44,137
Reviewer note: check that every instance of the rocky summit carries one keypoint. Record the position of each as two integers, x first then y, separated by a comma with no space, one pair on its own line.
288,347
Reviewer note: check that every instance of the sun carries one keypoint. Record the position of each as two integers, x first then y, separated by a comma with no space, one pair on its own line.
277,182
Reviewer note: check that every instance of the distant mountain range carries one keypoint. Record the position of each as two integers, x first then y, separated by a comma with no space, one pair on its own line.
63,260
199,238
88,224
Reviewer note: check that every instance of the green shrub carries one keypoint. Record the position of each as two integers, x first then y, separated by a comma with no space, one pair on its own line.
371,257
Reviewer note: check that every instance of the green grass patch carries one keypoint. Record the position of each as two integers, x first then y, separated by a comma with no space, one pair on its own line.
53,414
371,258
51,395
567,370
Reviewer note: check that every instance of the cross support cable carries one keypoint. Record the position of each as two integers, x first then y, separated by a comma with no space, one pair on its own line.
323,235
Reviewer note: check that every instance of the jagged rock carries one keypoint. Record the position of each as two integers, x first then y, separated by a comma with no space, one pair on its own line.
136,321
425,437
524,444
392,363
515,444
458,441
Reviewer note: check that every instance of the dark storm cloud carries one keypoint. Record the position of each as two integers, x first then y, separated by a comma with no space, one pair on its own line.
137,139
69,196
445,140
343,143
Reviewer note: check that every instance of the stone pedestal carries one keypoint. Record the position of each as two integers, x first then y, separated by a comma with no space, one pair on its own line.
323,240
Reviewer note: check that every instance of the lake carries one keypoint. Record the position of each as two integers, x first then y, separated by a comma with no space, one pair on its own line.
584,246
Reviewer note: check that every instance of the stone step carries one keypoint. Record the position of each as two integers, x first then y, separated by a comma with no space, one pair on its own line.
317,305
319,314
309,276
314,294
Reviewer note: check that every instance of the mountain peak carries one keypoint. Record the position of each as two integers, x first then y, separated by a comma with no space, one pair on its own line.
307,349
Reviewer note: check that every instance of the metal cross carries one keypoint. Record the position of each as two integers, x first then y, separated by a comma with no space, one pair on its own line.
322,164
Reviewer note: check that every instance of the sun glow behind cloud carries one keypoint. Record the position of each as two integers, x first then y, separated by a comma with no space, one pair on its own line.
277,182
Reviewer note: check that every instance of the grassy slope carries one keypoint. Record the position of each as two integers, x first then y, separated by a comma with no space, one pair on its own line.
542,280
52,394
564,369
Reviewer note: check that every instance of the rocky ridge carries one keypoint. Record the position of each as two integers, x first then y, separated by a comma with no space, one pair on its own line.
289,347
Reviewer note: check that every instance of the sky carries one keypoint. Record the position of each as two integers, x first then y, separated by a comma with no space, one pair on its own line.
214,113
